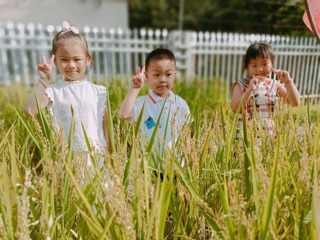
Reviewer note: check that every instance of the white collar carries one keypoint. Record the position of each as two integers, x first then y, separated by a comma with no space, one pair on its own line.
82,81
156,98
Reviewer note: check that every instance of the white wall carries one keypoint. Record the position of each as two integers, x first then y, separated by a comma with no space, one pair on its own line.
93,13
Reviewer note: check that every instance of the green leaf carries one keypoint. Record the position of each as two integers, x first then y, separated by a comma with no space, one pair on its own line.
267,212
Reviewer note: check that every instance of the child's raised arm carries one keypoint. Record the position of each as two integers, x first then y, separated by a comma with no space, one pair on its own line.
46,75
289,92
126,108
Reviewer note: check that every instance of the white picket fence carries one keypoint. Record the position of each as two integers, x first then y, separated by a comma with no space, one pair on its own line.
209,56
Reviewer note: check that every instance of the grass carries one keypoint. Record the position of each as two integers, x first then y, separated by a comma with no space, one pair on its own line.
227,189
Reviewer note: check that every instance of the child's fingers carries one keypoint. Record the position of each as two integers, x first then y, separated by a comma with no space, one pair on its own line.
43,57
52,59
143,69
254,80
137,79
41,67
45,67
280,72
138,71
284,74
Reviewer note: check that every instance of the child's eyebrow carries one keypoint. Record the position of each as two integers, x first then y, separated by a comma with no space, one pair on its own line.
64,56
166,70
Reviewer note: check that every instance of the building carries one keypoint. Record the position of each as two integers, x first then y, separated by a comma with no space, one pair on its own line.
80,13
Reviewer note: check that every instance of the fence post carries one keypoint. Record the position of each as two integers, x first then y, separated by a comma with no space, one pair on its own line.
4,65
181,43
23,53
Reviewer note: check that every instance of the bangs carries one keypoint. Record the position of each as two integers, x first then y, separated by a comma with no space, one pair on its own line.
263,53
69,36
258,50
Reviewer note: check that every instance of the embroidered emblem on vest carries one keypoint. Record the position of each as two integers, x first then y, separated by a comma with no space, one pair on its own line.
149,123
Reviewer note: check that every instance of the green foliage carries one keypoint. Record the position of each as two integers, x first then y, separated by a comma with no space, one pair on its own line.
252,16
226,189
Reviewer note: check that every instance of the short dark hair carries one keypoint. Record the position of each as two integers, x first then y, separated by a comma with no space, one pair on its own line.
258,50
159,54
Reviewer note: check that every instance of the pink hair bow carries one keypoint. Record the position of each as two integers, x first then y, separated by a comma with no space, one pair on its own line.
66,27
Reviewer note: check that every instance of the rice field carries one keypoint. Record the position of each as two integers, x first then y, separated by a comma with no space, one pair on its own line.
264,188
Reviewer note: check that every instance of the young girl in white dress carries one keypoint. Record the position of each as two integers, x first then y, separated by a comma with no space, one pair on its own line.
74,98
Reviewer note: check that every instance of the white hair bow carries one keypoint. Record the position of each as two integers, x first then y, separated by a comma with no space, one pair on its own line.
66,27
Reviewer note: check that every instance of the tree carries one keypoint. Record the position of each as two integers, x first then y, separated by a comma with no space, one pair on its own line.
251,16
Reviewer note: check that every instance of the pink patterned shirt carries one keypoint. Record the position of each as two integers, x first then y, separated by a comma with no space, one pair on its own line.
260,105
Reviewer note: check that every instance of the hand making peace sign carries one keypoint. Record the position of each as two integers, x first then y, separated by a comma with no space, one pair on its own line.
138,79
46,69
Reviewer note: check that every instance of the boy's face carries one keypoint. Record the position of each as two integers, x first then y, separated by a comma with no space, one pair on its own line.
160,75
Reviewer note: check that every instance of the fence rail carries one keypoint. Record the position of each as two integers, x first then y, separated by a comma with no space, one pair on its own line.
200,55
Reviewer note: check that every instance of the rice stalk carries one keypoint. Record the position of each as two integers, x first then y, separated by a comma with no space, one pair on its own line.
315,220
268,209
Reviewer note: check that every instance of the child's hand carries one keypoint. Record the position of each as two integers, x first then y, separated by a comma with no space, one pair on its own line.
45,69
282,75
138,79
253,83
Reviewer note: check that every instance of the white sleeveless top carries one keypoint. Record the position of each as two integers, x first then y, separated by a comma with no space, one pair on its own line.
84,101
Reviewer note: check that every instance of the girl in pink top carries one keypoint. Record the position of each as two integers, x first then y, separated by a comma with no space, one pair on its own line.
257,94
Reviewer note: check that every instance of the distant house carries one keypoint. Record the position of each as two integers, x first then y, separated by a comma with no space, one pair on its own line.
92,13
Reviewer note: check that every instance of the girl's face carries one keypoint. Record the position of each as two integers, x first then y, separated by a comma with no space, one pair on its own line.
160,75
72,60
259,67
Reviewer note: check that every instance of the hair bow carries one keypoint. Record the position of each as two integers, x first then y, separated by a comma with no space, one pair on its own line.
66,27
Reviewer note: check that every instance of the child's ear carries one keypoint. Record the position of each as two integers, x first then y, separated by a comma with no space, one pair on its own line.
146,74
89,58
